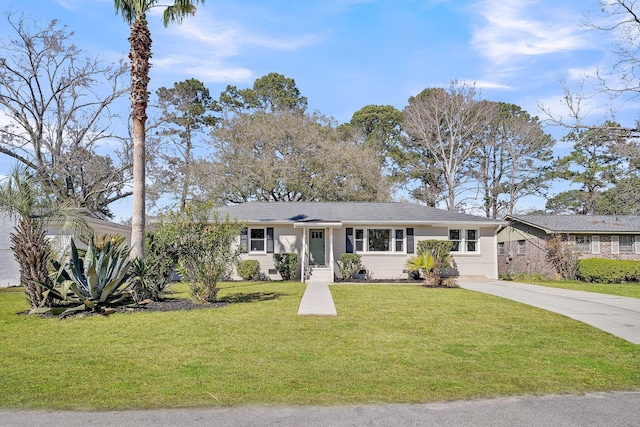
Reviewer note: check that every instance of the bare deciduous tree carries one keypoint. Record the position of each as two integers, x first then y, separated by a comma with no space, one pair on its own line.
57,105
448,124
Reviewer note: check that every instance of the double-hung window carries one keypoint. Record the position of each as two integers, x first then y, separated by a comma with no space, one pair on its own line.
583,243
522,247
626,244
464,241
257,240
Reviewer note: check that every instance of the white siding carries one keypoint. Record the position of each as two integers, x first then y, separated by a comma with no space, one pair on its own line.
9,269
384,265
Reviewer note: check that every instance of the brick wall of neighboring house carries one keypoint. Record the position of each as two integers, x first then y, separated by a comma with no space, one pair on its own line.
534,261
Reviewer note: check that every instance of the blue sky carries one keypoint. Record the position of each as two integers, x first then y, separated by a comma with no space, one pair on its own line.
345,54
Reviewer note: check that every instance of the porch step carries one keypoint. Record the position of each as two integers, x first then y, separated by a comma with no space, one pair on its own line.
320,275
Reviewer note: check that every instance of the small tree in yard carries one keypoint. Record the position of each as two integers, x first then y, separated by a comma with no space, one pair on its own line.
206,247
563,256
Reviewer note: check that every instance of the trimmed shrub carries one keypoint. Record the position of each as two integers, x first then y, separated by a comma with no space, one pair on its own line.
248,269
349,265
602,270
286,264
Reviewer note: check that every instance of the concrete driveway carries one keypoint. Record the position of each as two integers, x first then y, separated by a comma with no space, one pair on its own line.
619,316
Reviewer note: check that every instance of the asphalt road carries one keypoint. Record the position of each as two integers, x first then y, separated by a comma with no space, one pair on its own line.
593,409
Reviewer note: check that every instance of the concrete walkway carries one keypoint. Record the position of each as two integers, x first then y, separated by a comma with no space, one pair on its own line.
619,316
317,301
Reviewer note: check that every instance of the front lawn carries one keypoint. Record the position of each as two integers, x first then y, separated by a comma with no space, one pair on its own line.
631,290
396,343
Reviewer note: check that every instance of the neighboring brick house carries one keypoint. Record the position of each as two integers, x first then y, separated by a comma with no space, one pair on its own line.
522,242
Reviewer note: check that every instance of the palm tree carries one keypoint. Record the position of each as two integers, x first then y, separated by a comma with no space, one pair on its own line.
134,13
22,201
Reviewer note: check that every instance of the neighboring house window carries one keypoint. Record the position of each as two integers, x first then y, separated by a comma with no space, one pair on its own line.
626,244
501,248
379,240
583,243
522,247
464,240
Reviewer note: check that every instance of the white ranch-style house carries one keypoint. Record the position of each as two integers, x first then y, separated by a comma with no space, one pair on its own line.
384,234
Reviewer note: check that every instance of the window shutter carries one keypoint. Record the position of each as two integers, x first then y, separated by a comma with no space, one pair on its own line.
269,240
595,244
637,244
615,244
349,248
410,248
244,240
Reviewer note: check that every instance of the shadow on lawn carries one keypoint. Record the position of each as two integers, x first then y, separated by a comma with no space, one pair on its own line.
250,297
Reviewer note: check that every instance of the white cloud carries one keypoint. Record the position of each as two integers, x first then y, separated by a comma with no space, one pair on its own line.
511,31
220,74
483,84
203,47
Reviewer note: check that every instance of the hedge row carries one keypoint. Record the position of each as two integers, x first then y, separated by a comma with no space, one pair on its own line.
601,270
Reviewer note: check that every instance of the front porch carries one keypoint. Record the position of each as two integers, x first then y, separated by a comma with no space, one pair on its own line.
318,250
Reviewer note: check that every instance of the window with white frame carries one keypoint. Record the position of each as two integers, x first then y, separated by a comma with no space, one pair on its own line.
399,240
454,236
464,241
472,240
501,248
626,244
583,243
522,247
257,240
379,240
359,240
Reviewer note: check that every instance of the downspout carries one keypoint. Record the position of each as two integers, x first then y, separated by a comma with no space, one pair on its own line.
331,260
303,257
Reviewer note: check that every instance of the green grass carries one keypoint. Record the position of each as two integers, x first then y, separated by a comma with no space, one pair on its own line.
631,290
388,344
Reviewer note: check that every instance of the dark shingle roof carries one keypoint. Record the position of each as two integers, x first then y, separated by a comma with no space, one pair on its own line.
581,223
350,212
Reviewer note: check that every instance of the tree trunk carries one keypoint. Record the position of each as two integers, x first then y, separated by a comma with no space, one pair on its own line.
140,41
32,251
187,170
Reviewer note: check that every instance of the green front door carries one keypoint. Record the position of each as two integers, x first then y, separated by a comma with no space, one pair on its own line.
316,247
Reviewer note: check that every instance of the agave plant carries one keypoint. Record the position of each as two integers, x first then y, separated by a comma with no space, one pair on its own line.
95,278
